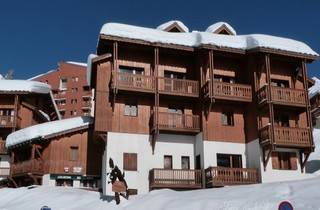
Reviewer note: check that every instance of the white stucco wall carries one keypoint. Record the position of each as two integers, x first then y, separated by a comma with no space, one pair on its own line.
167,144
211,148
47,181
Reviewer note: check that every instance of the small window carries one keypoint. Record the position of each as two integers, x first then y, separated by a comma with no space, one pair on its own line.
281,120
185,162
74,101
131,70
167,162
284,160
63,83
221,78
131,110
227,118
75,79
229,160
280,83
130,161
73,112
74,155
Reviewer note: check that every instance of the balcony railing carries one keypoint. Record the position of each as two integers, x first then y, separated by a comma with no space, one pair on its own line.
284,96
181,122
6,121
175,178
222,176
227,91
30,166
3,149
137,82
178,86
286,136
4,172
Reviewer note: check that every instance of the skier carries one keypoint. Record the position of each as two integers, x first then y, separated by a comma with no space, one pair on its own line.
119,187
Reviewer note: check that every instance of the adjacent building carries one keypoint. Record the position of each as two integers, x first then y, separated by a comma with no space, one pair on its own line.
22,104
188,110
56,153
70,90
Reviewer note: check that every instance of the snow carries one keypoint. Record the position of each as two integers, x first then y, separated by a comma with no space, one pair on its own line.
24,86
196,39
1,77
315,89
214,27
77,63
303,194
313,164
40,75
89,66
42,131
165,25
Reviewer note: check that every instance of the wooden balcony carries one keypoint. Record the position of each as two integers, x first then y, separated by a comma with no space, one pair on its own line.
133,82
27,167
227,91
175,179
180,87
282,96
6,121
222,176
286,136
3,149
179,122
4,172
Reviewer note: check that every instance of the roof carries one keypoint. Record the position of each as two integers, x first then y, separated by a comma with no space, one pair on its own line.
77,63
198,39
24,86
47,130
166,25
216,26
315,89
89,66
40,75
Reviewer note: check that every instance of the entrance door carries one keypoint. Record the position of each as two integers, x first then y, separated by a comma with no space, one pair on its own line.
198,162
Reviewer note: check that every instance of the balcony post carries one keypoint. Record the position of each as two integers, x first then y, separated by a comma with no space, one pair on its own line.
211,74
16,99
269,96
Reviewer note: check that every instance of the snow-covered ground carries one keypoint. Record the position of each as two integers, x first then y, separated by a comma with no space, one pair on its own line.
303,194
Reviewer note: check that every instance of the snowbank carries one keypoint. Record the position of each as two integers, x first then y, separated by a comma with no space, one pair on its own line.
24,86
315,89
302,194
313,164
195,39
216,26
42,131
165,25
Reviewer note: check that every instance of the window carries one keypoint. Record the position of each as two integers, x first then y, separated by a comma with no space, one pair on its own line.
174,75
130,161
75,79
185,162
280,83
74,101
167,162
62,113
130,110
221,78
131,70
74,90
229,160
74,153
284,160
63,83
73,113
281,120
227,118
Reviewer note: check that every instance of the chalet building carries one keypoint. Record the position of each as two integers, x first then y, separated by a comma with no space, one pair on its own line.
70,90
314,95
22,104
188,110
57,153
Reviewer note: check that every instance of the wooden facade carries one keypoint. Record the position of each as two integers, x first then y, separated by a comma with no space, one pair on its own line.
228,95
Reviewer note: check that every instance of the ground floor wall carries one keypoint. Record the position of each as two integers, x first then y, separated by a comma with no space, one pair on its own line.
4,166
77,181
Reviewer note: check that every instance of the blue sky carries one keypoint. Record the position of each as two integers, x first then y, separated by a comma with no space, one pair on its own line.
36,35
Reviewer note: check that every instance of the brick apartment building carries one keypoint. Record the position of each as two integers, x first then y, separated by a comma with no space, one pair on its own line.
69,87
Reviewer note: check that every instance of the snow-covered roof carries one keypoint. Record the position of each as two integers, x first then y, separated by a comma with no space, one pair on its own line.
315,89
77,63
166,25
47,130
89,66
24,86
196,39
40,75
214,27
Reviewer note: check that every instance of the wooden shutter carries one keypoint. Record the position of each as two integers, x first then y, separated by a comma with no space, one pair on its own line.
130,161
275,160
293,161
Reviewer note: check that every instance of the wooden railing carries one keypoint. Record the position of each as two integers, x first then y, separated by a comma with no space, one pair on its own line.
227,91
178,86
29,166
128,81
3,149
4,172
175,178
6,121
175,121
286,136
222,176
281,95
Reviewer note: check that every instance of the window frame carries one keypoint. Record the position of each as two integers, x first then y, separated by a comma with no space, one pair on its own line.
130,112
229,118
164,162
130,161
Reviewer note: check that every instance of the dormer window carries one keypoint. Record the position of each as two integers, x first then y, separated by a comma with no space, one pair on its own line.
221,28
174,26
